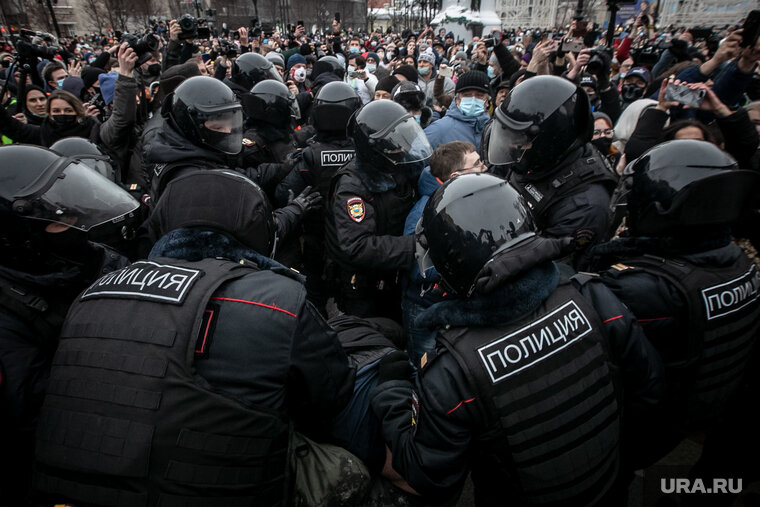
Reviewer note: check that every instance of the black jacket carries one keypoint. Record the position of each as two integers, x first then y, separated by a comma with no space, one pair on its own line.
31,314
364,228
436,451
307,376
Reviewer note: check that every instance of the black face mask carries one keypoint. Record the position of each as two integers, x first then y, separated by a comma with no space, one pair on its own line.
154,69
70,244
5,64
631,92
602,144
64,120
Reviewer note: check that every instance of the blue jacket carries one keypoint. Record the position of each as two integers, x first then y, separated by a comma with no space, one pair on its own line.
427,184
455,126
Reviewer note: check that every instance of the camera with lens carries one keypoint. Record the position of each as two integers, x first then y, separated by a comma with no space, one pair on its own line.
229,50
144,46
191,28
27,49
596,61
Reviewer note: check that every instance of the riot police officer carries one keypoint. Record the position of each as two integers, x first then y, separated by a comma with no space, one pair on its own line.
520,387
695,293
326,152
369,200
249,69
48,205
193,401
203,124
541,133
268,141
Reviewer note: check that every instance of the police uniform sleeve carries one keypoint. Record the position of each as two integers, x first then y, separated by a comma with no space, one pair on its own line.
321,378
297,179
585,214
428,426
357,240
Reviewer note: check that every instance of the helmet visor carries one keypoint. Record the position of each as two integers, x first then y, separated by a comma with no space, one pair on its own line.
223,131
101,165
506,145
404,143
81,198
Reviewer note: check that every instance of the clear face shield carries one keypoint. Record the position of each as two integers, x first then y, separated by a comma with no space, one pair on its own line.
404,143
71,193
508,146
223,130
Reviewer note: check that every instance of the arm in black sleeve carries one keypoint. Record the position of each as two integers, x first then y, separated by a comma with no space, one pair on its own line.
296,181
102,60
647,133
740,136
509,65
358,242
610,103
220,72
173,54
269,174
321,377
430,448
21,90
186,53
19,132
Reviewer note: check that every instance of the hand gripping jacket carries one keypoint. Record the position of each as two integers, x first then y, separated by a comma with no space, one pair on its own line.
127,423
544,191
545,383
724,323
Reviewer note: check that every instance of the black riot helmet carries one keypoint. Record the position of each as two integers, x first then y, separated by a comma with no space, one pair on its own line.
38,184
386,136
686,186
337,68
333,106
466,222
218,200
539,123
206,112
270,102
251,68
86,152
409,95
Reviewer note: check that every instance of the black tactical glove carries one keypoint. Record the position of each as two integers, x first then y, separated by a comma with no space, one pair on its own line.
603,74
307,200
394,366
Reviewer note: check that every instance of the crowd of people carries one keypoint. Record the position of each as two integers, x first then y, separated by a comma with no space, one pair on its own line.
242,267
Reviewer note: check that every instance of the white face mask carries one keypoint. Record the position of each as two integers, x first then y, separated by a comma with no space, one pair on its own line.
351,68
299,75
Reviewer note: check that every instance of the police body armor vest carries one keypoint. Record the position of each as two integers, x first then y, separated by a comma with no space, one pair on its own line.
541,194
325,159
724,322
546,381
126,422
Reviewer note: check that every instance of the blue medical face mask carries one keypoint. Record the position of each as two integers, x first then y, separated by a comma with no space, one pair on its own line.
423,71
418,118
353,49
491,73
60,83
472,106
371,67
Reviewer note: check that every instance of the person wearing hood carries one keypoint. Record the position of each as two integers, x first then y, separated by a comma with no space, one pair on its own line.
467,120
426,79
412,98
537,383
604,135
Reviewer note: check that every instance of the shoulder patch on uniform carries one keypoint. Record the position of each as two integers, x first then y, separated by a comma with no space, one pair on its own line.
146,280
355,207
248,142
621,267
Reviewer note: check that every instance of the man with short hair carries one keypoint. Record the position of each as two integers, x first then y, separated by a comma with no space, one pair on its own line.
359,78
448,161
54,73
466,120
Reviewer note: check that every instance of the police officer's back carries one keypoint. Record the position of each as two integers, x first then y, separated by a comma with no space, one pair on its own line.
186,371
541,134
369,200
48,204
696,294
521,388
